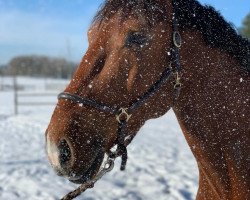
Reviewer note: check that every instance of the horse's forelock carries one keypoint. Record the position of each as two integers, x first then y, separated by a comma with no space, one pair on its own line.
151,10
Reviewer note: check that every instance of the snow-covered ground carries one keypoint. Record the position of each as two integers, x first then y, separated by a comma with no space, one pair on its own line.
160,166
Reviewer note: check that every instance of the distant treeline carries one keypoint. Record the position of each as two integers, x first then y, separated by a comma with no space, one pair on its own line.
245,28
39,66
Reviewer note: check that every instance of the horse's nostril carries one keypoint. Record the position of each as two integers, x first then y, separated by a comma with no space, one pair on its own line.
64,152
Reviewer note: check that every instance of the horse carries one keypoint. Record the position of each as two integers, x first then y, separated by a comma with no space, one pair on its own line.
144,58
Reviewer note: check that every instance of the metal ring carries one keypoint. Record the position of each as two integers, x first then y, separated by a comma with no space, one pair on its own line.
123,112
109,165
177,39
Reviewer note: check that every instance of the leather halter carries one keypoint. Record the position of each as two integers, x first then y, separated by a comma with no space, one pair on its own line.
123,115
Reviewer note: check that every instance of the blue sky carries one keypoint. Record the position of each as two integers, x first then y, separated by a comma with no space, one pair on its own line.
58,27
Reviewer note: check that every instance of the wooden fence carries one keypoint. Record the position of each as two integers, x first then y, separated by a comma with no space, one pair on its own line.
38,102
21,97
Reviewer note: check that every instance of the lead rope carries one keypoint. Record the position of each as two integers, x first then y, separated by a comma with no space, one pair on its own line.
122,117
108,166
121,144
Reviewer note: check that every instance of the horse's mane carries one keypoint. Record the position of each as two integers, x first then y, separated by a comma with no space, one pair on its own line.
191,15
215,30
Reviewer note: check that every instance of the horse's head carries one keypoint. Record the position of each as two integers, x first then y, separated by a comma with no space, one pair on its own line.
129,48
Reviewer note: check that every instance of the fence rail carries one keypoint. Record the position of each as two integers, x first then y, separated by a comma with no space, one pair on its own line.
37,101
36,94
26,91
32,98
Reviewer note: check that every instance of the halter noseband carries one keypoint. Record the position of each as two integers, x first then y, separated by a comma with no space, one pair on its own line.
123,115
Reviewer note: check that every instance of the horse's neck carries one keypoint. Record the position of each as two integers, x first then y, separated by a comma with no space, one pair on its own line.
215,88
213,112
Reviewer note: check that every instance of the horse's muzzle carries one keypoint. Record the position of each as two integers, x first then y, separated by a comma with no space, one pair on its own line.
65,162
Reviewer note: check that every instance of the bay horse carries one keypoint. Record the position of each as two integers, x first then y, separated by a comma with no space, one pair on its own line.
145,57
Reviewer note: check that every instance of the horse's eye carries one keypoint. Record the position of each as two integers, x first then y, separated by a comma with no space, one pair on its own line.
136,39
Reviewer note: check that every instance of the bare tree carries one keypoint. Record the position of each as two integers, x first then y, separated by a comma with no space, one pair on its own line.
41,66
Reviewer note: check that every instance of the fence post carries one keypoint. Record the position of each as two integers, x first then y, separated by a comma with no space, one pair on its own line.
15,94
2,83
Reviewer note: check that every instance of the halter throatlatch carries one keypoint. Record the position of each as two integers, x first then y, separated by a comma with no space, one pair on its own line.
122,115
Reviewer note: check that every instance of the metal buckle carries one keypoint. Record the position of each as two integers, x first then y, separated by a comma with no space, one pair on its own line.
177,81
123,113
177,39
